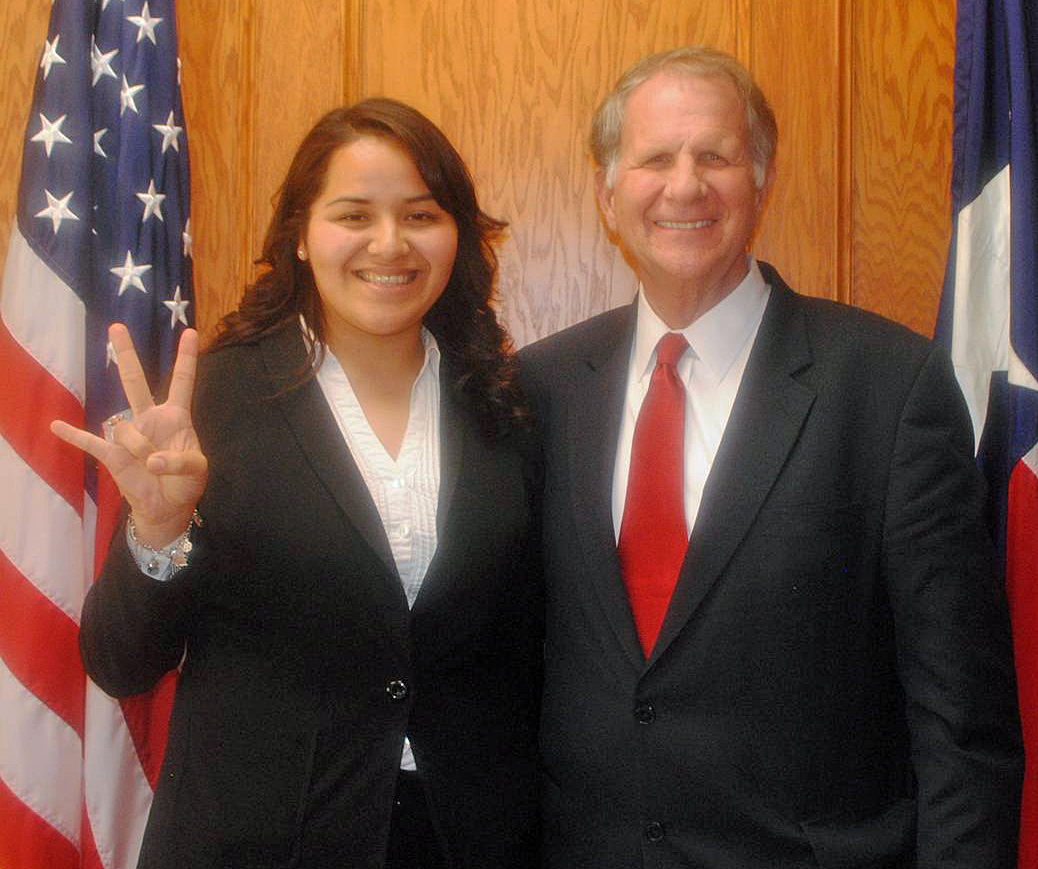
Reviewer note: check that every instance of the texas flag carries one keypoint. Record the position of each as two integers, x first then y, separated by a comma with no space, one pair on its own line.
989,312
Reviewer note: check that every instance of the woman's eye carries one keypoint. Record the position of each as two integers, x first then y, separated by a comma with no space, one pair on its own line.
421,216
658,160
353,217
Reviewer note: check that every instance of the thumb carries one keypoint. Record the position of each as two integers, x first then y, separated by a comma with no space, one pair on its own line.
188,463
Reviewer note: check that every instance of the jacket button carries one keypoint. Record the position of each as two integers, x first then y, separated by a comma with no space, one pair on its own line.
654,831
645,713
397,690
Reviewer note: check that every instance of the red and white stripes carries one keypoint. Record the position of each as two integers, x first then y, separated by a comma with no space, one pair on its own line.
72,790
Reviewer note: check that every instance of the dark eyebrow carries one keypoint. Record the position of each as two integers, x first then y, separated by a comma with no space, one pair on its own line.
360,200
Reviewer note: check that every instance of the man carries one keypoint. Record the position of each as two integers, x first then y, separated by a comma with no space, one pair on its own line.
774,639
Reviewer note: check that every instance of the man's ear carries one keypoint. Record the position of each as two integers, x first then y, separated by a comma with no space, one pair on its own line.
604,195
765,189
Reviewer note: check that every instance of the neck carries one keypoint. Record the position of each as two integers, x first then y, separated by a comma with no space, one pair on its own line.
385,364
382,370
679,303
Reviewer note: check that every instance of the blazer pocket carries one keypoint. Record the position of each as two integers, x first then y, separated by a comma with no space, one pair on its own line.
883,840
243,790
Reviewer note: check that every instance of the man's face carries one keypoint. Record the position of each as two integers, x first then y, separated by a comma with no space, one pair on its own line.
684,201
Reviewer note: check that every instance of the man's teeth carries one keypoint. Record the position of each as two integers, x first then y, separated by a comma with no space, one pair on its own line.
373,278
684,224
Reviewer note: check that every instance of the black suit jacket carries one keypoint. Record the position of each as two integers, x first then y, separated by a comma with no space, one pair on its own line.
833,683
304,667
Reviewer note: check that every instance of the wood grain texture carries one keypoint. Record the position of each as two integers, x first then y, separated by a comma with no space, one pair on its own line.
214,70
514,84
251,91
903,58
296,75
862,90
23,28
800,231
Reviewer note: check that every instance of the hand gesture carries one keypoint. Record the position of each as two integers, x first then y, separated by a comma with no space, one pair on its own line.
154,458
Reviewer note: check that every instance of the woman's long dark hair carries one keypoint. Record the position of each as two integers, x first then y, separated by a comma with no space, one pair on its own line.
463,320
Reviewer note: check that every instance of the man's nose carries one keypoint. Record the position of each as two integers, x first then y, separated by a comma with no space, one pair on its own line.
685,181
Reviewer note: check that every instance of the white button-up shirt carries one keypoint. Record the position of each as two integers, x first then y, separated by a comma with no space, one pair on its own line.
405,489
711,370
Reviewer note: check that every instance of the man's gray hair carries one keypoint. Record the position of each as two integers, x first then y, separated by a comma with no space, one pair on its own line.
697,60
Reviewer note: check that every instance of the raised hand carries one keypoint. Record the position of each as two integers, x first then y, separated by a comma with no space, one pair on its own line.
154,457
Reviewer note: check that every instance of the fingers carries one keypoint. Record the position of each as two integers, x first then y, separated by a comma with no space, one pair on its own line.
182,384
89,443
190,463
126,435
131,375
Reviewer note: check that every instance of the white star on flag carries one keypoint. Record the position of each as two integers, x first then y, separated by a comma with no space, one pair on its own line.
96,160
177,309
130,274
186,238
145,24
126,100
101,64
170,132
57,209
50,56
152,202
50,133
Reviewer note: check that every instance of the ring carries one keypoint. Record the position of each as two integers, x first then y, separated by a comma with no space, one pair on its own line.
108,426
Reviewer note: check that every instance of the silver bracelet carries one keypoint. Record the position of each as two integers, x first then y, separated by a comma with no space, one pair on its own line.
177,551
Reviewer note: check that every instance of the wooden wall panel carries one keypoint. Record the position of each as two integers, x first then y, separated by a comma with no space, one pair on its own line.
902,63
862,90
513,84
297,74
801,230
251,89
23,27
214,63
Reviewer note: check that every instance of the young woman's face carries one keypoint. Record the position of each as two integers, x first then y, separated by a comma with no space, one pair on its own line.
380,247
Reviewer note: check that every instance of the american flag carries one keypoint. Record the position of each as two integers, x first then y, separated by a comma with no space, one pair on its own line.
101,235
989,312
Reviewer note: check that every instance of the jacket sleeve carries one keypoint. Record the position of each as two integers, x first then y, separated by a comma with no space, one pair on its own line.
133,628
952,631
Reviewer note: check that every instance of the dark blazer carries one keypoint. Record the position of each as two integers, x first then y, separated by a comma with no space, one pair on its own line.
833,684
304,667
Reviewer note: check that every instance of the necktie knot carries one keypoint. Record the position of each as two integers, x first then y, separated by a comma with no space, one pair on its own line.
671,348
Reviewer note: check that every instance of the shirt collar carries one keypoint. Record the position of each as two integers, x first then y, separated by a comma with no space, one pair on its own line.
431,361
716,336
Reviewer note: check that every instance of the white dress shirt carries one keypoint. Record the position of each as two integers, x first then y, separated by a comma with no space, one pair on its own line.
405,489
711,370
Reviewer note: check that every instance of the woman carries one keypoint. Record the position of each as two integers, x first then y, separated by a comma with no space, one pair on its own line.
353,608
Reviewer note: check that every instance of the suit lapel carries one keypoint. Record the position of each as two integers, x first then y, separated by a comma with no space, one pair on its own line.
313,424
453,439
593,429
456,444
766,419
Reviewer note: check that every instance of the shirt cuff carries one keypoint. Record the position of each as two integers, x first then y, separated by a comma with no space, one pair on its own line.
157,565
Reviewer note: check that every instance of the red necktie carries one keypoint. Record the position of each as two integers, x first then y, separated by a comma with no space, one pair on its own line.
653,538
